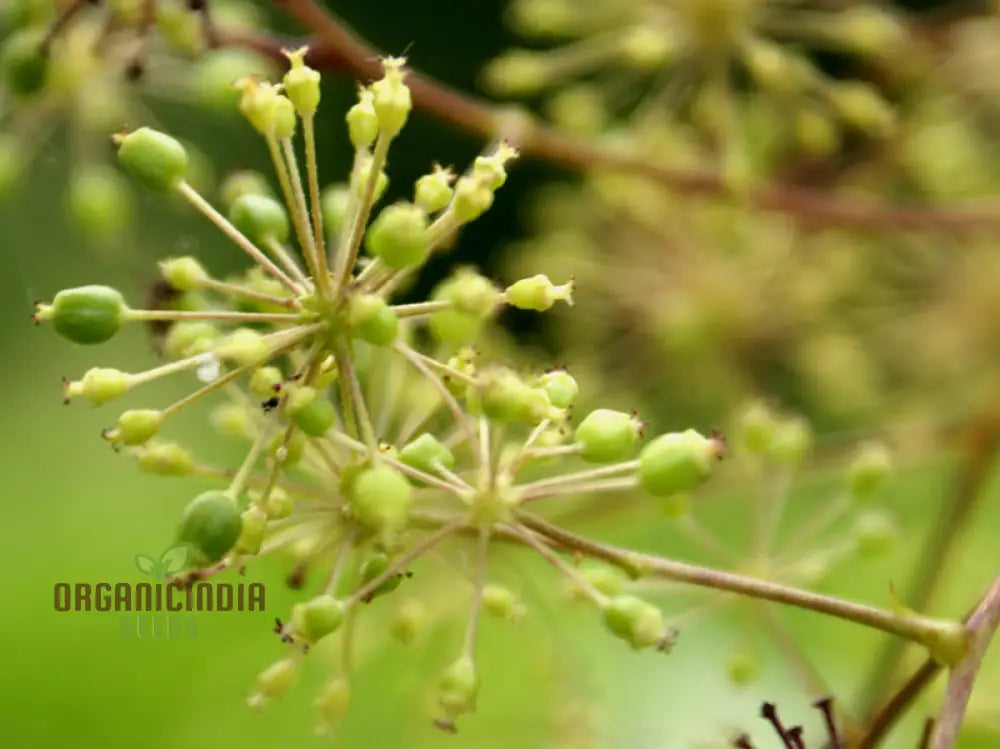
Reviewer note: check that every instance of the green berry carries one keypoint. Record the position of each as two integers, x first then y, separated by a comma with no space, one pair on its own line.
88,314
506,397
253,526
677,462
875,532
792,441
331,704
457,687
425,453
232,420
302,84
215,71
433,191
471,199
538,293
399,236
334,202
391,97
317,618
189,338
606,436
362,122
135,427
165,459
265,381
408,619
184,273
155,159
316,417
211,523
757,426
470,293
869,471
24,63
100,385
243,347
373,319
374,566
276,679
99,201
279,504
561,387
243,182
452,326
639,623
502,602
381,499
260,218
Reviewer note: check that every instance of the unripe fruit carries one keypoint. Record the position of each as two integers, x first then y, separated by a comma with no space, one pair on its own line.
792,441
135,427
501,602
316,417
607,436
99,385
334,202
165,459
362,122
757,428
639,623
391,97
243,347
407,621
875,532
399,236
373,319
99,201
538,293
471,199
332,703
155,159
452,326
561,387
457,687
243,182
869,471
279,504
189,338
505,396
88,314
302,84
425,453
24,62
276,679
516,73
252,529
374,566
215,71
433,191
381,499
265,380
184,273
232,420
211,523
470,293
317,618
260,218
677,462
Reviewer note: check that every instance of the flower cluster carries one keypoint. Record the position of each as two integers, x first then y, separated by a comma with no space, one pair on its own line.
91,67
375,429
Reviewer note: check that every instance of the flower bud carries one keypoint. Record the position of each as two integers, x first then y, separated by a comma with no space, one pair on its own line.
875,531
287,451
253,525
425,453
373,319
639,623
184,273
164,459
677,462
407,621
607,436
561,387
265,380
538,293
332,703
457,687
261,218
362,122
154,159
433,191
99,201
869,471
190,338
135,427
334,203
399,236
391,97
243,347
381,499
489,170
302,83
23,62
283,118
211,523
278,504
317,618
87,314
100,385
257,103
502,603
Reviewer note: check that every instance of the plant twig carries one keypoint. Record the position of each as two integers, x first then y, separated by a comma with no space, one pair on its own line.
336,48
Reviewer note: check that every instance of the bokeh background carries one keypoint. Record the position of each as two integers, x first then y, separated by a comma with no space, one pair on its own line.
75,511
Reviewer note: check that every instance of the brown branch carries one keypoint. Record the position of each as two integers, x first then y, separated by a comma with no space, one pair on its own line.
334,47
981,627
886,718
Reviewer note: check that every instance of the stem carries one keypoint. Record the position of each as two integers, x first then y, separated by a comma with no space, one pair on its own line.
573,478
552,558
477,598
354,387
238,237
352,243
886,717
224,287
277,249
420,308
981,627
450,401
935,633
312,175
301,211
146,315
586,487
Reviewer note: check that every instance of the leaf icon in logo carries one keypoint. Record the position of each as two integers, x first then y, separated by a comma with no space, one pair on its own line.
146,564
174,559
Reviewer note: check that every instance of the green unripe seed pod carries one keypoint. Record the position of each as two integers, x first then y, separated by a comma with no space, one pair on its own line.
471,294
87,315
316,417
100,385
792,441
24,63
317,618
471,199
374,566
399,236
407,621
756,428
457,687
135,427
155,159
334,202
279,504
260,218
189,338
639,623
362,122
252,529
452,326
743,667
243,182
875,532
380,499
288,451
211,523
302,84
165,459
265,380
184,273
373,319
607,436
99,201
276,679
561,387
243,347
433,191
332,703
391,97
677,462
502,603
538,293
425,453
869,471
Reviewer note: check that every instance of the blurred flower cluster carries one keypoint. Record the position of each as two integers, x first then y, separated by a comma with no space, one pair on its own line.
73,71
